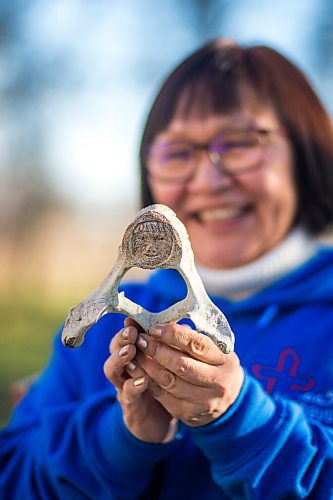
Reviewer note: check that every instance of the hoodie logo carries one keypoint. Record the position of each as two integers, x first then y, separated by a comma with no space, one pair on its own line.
286,369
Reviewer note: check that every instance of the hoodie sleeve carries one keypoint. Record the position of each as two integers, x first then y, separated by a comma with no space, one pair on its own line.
57,446
266,448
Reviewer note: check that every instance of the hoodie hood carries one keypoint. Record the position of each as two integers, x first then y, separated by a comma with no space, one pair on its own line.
311,283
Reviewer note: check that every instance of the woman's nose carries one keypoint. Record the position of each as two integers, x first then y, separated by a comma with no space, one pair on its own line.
207,176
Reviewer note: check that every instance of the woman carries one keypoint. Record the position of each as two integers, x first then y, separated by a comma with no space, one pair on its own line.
238,144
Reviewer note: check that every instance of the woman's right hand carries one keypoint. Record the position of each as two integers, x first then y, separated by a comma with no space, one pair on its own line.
143,415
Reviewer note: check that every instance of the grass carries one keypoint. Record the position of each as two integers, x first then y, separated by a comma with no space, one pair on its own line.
28,324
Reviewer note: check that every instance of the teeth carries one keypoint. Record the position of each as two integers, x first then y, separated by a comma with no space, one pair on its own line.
224,213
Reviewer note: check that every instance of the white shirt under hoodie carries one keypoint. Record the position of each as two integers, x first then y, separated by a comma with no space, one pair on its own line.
241,282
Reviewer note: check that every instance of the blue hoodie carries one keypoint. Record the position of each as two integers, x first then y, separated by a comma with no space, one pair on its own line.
67,438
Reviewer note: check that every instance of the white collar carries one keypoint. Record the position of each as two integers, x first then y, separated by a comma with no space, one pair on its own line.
246,280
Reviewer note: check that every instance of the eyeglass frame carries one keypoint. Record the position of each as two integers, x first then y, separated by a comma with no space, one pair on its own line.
217,163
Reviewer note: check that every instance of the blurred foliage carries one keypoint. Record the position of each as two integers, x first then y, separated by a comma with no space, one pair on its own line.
28,324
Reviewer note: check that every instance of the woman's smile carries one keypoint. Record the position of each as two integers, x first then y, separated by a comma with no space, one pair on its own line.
223,217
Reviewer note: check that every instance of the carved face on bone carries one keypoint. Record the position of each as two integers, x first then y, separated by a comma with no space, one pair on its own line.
151,243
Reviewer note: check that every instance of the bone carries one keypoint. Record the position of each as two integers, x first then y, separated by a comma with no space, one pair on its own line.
155,239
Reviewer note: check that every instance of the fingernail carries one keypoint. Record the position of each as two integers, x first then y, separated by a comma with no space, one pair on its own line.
142,342
138,381
131,366
125,334
123,351
157,330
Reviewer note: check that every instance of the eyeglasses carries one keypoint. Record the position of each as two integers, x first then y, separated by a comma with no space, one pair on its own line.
232,153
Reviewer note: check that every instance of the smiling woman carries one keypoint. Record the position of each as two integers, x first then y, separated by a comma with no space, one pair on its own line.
239,146
242,195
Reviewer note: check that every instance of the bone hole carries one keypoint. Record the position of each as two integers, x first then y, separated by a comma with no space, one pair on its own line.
137,275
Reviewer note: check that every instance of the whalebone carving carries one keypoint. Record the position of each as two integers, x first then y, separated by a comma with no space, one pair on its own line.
155,239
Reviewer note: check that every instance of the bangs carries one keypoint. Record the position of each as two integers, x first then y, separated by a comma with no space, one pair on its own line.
224,84
210,95
213,83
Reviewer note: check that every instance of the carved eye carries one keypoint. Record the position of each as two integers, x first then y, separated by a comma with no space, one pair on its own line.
143,237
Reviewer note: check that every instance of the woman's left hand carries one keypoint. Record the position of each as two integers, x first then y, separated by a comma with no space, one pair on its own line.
188,374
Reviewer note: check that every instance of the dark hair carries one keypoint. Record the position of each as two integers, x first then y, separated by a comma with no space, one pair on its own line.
214,78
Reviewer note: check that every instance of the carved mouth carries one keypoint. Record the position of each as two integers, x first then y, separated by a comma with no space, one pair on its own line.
153,255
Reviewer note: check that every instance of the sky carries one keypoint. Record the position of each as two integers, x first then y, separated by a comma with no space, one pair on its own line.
107,59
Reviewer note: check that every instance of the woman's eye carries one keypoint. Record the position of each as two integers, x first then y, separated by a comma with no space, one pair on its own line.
178,154
228,146
244,143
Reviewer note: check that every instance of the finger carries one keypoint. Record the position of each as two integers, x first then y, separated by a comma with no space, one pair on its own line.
172,384
127,335
181,364
132,390
114,366
191,413
130,322
134,369
182,337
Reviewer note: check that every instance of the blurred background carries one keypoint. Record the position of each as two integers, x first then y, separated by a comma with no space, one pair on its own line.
76,81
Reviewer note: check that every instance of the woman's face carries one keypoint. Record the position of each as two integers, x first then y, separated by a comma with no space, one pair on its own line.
231,220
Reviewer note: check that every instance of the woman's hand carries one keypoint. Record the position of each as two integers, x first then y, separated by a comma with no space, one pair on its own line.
188,375
143,415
